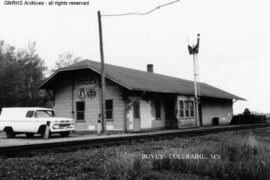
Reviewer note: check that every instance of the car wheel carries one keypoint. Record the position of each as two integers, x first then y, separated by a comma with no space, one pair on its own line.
29,135
10,133
64,134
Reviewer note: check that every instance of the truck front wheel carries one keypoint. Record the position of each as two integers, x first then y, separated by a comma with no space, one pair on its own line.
29,135
64,134
10,133
43,133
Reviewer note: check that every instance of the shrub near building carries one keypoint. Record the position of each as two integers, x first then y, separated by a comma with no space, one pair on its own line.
248,118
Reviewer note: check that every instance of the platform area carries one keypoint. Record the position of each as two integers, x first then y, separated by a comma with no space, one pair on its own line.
23,141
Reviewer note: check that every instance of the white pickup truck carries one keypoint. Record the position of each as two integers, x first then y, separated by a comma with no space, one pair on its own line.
33,120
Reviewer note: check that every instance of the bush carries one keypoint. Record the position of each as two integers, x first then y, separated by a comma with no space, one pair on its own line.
248,119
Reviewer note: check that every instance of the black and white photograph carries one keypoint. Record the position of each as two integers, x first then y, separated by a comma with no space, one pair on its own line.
134,90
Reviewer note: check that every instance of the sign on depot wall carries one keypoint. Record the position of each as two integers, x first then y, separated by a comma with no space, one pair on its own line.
87,91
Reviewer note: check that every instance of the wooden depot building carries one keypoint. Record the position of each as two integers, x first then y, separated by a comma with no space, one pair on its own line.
135,100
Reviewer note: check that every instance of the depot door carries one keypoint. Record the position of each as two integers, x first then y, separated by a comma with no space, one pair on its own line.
136,116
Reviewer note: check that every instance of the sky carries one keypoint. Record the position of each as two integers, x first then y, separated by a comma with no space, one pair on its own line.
233,50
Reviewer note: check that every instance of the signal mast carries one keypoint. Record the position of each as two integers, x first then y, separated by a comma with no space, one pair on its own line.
194,50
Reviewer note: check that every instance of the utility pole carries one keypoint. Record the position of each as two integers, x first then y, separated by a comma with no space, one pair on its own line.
194,50
102,69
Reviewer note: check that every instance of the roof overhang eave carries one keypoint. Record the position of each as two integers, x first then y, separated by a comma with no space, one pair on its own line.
239,99
186,94
42,85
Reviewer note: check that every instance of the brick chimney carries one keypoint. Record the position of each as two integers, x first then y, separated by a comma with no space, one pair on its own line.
150,68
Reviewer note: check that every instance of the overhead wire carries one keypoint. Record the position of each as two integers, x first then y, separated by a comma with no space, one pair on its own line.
143,13
149,12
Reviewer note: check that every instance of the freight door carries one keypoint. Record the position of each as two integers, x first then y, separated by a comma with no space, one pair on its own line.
136,116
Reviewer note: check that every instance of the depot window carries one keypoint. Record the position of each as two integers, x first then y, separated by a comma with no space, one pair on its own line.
80,110
136,110
186,109
158,110
109,109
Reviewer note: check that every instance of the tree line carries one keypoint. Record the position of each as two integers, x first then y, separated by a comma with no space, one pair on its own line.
21,72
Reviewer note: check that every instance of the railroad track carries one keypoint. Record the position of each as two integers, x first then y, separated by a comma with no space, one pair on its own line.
29,150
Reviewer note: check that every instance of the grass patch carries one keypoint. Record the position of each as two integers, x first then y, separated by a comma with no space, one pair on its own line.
125,166
240,158
244,154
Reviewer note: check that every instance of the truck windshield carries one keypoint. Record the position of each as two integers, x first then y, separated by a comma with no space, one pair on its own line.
44,113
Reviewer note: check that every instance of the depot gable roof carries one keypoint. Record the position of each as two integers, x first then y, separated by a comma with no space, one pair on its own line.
145,81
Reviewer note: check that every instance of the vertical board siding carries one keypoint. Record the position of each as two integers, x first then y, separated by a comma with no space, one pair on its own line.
216,108
91,108
210,107
159,123
114,91
146,115
63,103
